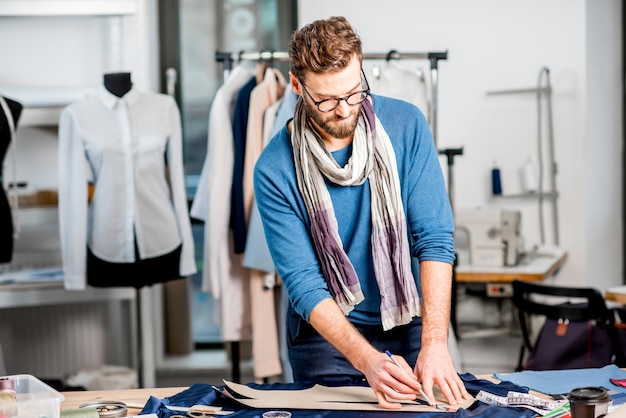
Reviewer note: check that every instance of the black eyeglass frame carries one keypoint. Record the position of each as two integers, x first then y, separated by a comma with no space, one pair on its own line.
364,94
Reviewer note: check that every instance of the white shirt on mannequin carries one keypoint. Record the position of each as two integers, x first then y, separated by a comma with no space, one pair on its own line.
126,142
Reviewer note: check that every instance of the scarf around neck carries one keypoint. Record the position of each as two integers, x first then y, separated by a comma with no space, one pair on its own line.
373,159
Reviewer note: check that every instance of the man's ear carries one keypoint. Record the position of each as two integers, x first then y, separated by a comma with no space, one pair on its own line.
295,84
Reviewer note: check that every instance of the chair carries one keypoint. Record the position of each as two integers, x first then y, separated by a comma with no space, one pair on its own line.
589,309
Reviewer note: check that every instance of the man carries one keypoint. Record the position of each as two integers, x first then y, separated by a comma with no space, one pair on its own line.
337,188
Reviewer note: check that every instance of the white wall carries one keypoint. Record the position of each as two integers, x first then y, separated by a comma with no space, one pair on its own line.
503,44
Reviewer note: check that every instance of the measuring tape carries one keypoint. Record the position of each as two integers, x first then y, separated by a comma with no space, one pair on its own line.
521,400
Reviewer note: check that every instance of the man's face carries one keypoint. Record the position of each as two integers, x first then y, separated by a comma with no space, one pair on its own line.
341,122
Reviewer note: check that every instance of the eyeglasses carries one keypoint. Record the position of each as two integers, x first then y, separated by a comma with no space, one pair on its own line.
328,105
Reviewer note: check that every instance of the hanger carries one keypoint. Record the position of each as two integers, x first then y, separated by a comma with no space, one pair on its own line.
392,54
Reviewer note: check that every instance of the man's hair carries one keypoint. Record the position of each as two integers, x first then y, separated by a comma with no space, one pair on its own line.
323,46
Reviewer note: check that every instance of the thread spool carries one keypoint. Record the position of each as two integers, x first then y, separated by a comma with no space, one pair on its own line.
80,413
496,182
8,404
8,400
107,409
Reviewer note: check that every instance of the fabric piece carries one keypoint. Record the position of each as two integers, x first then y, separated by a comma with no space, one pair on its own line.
340,398
240,128
203,394
222,275
265,353
372,159
395,80
563,381
425,202
143,272
264,325
257,254
133,146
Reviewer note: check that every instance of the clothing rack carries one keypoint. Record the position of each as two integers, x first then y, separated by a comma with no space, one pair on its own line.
230,59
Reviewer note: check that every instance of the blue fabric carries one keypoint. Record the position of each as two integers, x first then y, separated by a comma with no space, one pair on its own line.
286,222
563,381
240,126
315,359
257,254
203,394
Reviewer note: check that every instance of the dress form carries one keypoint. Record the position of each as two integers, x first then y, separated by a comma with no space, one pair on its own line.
118,83
6,221
143,272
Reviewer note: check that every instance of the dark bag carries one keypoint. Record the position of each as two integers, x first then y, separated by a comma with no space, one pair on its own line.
564,344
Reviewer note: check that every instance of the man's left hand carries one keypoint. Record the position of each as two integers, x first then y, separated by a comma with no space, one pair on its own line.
435,367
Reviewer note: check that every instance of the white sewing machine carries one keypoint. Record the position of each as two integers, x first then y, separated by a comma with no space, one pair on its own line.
492,236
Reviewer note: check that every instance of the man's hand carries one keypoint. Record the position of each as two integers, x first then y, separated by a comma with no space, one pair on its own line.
386,379
389,381
435,367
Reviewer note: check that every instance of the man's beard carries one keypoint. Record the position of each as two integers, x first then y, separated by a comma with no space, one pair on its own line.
340,132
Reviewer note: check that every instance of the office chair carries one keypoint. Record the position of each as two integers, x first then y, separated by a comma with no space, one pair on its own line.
588,317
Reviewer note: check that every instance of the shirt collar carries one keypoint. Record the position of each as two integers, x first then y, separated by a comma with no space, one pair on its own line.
110,100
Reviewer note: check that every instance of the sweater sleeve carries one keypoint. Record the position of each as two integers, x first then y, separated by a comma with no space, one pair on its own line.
285,222
427,204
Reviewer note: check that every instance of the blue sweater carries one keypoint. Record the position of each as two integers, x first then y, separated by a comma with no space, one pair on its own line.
286,221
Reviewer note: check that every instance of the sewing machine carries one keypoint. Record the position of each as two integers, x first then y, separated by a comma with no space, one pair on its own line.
492,236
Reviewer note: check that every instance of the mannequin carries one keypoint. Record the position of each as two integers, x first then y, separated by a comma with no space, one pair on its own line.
118,83
142,272
6,222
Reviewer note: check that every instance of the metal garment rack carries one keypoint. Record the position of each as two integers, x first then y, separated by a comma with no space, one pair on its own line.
230,59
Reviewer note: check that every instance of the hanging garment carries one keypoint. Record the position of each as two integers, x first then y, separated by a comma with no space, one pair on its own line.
264,326
138,201
10,111
401,83
238,205
257,255
223,275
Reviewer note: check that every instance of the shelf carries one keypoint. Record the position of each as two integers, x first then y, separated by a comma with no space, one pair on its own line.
550,195
43,104
67,7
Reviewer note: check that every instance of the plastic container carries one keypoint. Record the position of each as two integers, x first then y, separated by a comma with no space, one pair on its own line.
35,399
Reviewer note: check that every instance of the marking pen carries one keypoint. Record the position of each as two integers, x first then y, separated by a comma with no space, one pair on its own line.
426,398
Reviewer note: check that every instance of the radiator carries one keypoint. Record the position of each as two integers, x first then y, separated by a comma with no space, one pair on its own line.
53,342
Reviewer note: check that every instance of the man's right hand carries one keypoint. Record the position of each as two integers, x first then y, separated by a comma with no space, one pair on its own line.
388,381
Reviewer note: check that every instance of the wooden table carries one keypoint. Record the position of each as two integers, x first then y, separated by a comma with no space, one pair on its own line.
133,396
544,265
496,282
616,294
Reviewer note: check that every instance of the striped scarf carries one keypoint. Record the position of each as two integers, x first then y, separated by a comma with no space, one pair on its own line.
372,158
